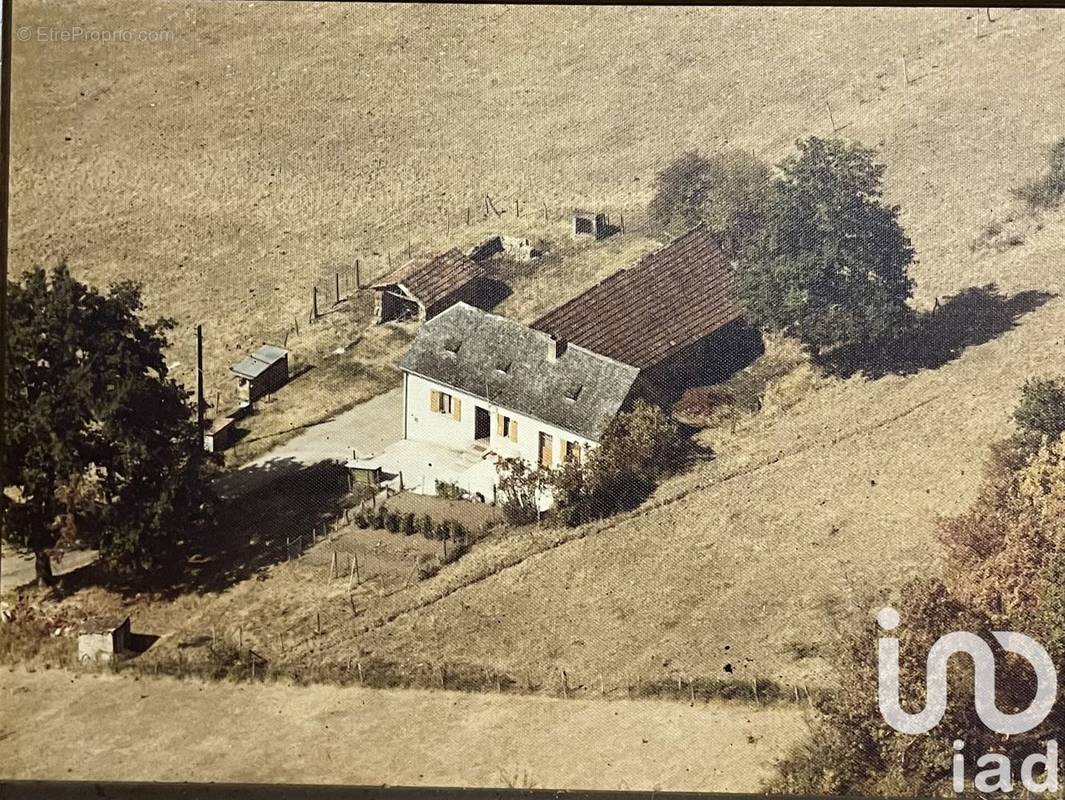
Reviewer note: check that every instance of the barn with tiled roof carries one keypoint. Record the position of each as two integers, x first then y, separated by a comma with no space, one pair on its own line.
674,315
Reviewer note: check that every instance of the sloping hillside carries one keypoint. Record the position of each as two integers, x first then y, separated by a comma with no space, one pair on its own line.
257,150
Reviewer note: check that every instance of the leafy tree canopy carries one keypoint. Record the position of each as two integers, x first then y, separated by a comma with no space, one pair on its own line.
831,264
637,447
728,192
101,445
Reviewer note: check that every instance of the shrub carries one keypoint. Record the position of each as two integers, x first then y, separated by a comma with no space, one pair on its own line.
456,550
637,448
426,566
362,521
379,518
520,487
442,531
409,525
449,491
456,531
393,522
1042,408
425,526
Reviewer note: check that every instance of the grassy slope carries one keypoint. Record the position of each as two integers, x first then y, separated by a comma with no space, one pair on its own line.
835,502
261,150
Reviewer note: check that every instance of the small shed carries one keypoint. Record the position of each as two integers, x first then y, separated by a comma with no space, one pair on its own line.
420,291
264,371
362,472
103,639
590,223
219,435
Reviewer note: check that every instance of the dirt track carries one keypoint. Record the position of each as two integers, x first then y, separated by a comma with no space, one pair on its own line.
58,724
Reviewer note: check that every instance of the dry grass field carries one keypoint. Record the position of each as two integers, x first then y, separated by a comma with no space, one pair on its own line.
261,150
374,737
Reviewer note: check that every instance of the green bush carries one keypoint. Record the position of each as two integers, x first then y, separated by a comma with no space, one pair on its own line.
393,522
456,550
1042,407
362,521
379,518
449,491
519,487
456,531
409,524
442,531
425,526
637,448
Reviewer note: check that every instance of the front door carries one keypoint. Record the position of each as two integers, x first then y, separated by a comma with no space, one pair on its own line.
482,423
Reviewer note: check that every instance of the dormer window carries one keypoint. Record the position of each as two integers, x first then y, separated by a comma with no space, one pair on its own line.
503,367
573,391
451,346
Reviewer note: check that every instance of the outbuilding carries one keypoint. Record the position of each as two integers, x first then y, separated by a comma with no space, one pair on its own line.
264,371
420,291
220,434
101,640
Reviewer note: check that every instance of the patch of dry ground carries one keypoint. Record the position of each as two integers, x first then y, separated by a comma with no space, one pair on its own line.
263,162
118,729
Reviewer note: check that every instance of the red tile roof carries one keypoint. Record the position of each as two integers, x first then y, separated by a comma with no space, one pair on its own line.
432,281
666,301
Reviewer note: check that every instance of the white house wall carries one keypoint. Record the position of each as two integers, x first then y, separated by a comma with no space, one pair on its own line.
423,424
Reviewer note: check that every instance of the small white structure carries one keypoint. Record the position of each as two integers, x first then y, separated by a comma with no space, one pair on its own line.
102,640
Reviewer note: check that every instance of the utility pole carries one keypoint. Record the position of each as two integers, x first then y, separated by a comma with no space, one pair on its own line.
5,131
199,381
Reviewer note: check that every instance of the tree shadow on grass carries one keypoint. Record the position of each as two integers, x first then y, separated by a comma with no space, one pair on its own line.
972,317
286,504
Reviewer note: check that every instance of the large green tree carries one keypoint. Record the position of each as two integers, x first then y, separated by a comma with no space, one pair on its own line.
728,192
101,445
831,264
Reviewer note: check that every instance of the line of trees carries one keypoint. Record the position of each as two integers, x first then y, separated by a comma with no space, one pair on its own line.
820,255
100,445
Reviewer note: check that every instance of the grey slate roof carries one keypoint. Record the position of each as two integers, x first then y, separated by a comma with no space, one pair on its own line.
258,362
531,385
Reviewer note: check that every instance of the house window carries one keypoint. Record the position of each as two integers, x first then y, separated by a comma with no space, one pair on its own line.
572,452
443,403
507,427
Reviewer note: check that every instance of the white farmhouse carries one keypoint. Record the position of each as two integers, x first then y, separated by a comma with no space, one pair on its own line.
478,387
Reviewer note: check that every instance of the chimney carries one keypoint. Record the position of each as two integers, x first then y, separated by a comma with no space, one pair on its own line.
555,348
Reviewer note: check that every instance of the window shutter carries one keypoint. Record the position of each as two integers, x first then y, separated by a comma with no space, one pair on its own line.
499,424
434,400
513,430
456,409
